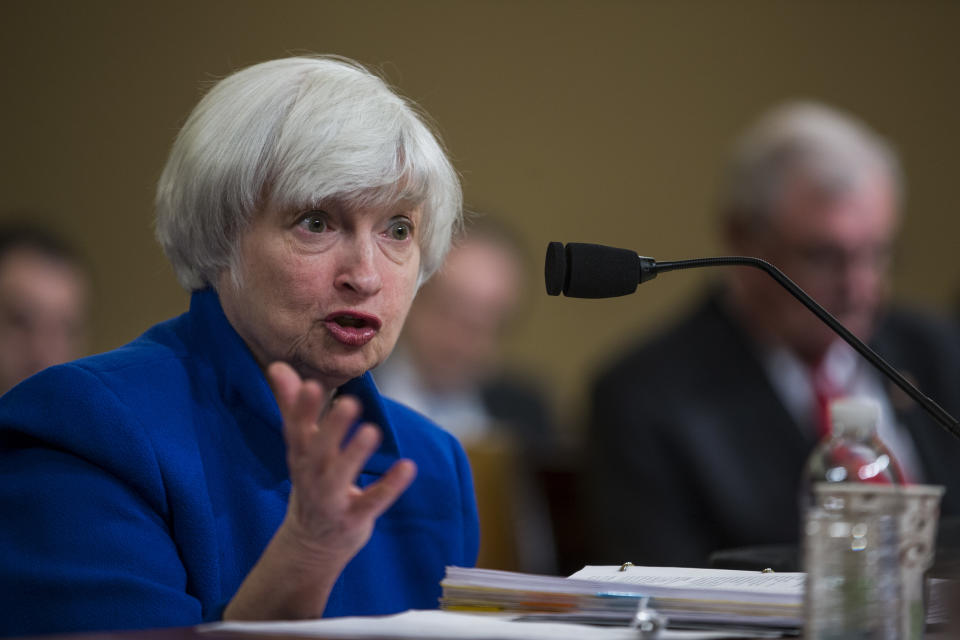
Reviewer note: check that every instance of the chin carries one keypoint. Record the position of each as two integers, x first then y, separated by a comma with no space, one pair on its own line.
333,362
812,345
864,327
340,372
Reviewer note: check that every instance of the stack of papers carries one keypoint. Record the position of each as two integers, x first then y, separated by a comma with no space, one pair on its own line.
687,598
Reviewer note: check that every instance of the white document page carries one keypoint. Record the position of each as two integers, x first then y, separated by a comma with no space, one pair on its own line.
448,625
677,581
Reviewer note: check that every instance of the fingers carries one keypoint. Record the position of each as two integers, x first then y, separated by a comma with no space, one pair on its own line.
361,446
378,497
344,411
301,404
285,383
323,466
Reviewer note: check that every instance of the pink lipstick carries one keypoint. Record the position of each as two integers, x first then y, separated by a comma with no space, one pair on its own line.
352,328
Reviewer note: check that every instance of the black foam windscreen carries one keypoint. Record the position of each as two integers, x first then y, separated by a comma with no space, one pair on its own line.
555,268
585,270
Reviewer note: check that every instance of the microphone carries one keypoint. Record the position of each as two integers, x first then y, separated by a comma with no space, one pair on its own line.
582,270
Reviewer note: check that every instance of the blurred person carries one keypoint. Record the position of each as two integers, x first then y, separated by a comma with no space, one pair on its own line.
703,429
237,461
44,291
448,365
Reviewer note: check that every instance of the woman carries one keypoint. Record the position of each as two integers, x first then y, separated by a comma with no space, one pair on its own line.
303,203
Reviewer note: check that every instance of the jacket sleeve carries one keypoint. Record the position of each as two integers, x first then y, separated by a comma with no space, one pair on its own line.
84,538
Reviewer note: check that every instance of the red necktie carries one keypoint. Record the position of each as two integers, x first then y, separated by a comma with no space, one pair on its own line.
825,392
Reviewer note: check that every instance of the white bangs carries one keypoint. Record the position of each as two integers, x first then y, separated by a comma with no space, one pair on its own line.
294,133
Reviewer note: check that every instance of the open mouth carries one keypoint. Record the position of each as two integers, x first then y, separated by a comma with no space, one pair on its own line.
352,328
350,321
354,320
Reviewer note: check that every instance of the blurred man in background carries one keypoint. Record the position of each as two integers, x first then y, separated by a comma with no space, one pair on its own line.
698,436
43,303
448,366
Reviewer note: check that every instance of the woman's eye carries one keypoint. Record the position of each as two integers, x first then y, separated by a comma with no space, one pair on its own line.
400,230
314,222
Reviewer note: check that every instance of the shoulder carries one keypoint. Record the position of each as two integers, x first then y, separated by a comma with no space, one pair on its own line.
108,408
917,326
918,341
160,348
142,373
95,383
414,426
922,345
69,410
695,335
415,436
425,442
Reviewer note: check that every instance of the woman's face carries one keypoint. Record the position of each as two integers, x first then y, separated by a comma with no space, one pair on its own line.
325,289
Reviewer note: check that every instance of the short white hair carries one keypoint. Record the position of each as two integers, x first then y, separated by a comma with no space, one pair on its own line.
295,132
801,139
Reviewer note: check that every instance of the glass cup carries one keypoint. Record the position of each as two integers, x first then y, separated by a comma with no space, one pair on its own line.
867,548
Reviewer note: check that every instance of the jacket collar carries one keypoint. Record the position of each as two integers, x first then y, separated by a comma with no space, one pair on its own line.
241,382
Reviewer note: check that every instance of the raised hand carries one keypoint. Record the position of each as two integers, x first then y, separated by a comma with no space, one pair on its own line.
328,513
329,518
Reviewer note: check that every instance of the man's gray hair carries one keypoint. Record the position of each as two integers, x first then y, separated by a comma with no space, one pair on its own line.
832,149
291,133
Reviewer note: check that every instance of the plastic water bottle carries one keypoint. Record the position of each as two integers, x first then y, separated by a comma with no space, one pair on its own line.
852,451
851,530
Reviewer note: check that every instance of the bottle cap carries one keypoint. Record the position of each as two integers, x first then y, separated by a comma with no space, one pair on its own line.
854,416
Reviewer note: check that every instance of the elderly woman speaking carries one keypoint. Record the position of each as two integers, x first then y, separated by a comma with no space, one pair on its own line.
227,463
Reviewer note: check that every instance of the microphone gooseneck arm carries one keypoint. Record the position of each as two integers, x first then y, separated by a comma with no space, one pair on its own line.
945,419
647,269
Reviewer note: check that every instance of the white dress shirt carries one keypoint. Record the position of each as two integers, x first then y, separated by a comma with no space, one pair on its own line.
848,372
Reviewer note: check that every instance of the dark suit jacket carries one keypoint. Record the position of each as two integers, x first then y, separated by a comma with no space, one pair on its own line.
690,449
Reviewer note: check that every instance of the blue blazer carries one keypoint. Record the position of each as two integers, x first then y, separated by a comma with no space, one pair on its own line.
138,487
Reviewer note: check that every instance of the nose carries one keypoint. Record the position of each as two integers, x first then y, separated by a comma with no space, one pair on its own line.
358,272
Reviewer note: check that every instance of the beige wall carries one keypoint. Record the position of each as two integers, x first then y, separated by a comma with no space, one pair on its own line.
590,121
